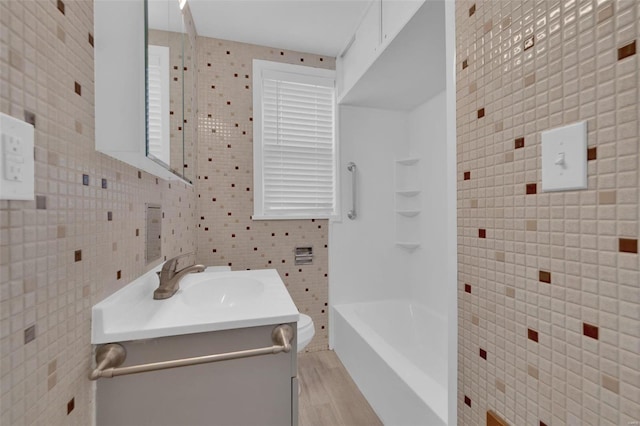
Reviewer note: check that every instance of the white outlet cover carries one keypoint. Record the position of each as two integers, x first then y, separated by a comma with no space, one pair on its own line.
17,168
564,158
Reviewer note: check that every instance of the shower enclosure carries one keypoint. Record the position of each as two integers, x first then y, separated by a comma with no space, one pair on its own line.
393,267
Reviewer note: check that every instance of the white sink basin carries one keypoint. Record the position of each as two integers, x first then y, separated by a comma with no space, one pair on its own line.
206,301
227,292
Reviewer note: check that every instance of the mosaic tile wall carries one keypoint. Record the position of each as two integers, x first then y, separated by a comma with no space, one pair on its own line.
76,243
226,235
549,293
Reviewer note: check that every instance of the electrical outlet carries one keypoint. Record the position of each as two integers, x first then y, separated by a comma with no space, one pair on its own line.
17,169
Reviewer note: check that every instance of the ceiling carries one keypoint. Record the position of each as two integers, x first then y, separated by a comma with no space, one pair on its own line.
322,27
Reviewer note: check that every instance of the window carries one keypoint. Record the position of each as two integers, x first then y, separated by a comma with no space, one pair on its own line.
294,143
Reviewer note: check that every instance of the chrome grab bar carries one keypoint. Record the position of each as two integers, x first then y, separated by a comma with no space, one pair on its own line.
351,214
111,356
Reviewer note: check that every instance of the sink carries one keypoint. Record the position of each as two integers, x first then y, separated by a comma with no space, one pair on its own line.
206,301
221,292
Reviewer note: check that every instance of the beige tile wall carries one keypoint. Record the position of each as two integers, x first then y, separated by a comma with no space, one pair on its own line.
62,254
549,293
226,233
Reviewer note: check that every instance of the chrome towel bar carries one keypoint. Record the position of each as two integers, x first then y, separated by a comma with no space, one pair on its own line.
351,214
111,356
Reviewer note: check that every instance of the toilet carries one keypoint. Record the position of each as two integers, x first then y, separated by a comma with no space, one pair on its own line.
306,331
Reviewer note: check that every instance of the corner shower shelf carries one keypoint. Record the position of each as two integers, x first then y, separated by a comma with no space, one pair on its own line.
408,246
408,203
408,161
408,193
408,213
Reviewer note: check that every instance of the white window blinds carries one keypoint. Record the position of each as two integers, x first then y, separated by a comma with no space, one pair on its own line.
158,81
294,139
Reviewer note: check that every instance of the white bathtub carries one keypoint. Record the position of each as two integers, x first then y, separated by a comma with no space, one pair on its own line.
396,352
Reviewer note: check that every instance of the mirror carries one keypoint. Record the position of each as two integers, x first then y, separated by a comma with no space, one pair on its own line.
171,104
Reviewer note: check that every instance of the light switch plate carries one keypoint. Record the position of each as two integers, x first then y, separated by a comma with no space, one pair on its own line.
17,173
564,158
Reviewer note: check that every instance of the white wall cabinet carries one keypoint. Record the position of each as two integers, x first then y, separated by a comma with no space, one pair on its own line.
362,49
394,15
382,21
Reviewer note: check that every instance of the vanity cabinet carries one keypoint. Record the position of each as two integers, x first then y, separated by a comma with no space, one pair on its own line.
260,390
382,21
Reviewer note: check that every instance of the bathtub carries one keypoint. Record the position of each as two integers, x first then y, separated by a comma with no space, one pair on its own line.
396,352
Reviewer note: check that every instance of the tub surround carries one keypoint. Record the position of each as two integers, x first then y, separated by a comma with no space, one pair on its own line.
404,151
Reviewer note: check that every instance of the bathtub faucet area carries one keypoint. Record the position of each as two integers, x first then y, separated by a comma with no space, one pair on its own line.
170,276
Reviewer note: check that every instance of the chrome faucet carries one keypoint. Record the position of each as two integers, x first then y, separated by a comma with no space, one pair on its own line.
170,277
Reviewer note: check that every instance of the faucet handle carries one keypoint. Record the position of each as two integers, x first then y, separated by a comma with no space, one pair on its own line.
171,265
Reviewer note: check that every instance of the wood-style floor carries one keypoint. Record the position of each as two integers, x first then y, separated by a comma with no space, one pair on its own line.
329,397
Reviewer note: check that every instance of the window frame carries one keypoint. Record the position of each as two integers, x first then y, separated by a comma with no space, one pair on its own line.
304,72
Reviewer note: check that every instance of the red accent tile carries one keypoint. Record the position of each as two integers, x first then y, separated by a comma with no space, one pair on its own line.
118,275
627,50
532,188
592,153
30,117
91,39
628,245
71,405
532,334
483,354
467,400
472,10
542,423
61,6
482,233
78,255
519,143
78,88
481,113
467,288
590,330
465,63
467,175
544,276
